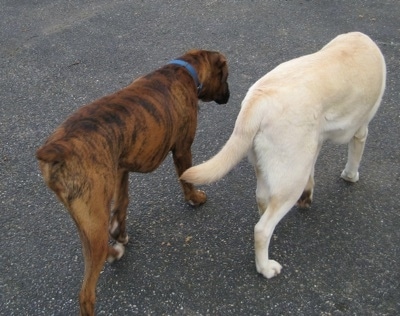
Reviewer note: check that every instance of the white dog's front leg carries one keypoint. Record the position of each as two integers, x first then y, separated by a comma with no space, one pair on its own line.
355,152
350,176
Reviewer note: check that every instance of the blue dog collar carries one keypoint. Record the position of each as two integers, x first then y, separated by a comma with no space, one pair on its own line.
190,69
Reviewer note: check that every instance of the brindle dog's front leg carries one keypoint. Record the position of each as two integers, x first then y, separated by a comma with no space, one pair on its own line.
183,161
117,227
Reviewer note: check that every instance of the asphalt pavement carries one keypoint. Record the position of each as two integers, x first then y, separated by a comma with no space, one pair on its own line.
341,257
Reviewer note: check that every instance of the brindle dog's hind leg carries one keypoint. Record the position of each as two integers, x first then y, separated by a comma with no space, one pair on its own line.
117,227
183,160
91,216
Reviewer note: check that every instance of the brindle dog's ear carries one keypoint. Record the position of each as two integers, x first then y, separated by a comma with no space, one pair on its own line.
222,60
223,65
55,152
218,59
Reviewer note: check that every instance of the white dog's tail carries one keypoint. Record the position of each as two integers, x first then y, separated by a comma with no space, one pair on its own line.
236,148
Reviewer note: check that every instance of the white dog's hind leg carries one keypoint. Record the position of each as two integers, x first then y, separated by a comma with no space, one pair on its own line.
355,152
278,206
306,197
261,195
262,236
262,192
285,169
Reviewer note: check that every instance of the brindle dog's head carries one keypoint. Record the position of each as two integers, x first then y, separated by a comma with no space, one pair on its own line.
212,70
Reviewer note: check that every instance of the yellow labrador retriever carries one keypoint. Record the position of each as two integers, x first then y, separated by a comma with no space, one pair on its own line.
286,116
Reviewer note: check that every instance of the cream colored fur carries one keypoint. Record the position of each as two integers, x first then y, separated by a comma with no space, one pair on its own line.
287,115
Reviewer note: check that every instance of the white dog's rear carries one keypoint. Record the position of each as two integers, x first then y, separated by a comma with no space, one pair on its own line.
287,115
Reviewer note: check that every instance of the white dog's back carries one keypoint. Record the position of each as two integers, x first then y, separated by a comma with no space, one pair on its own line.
339,84
328,94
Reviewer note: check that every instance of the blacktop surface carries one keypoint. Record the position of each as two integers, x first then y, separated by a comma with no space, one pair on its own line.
341,257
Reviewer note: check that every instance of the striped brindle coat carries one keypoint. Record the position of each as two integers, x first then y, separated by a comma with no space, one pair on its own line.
87,160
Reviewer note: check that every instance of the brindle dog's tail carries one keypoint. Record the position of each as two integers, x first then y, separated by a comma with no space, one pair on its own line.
53,152
52,157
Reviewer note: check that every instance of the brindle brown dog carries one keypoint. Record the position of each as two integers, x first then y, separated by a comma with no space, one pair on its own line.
87,160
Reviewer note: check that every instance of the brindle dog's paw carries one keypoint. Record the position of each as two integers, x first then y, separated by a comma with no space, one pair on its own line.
197,198
115,232
115,252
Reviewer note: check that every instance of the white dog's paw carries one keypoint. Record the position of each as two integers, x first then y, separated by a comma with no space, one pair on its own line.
269,270
351,177
118,252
